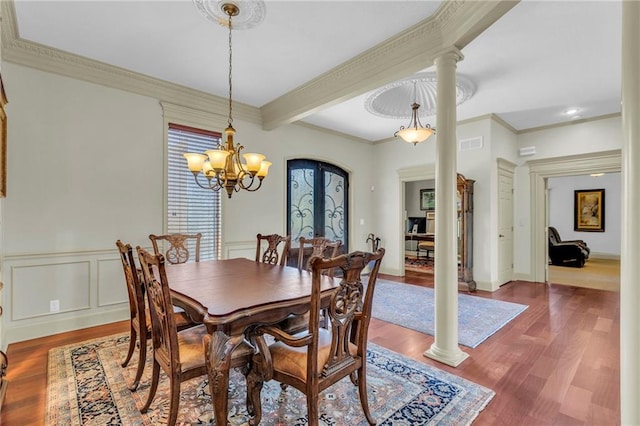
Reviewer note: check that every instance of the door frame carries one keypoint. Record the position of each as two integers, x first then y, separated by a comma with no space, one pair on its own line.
539,172
409,174
348,192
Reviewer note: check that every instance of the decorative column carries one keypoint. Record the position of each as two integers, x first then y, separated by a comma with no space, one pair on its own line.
445,346
630,248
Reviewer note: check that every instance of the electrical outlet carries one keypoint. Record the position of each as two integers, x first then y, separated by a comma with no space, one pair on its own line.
54,305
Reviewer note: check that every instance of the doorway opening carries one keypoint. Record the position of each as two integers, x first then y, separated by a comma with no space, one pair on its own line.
540,171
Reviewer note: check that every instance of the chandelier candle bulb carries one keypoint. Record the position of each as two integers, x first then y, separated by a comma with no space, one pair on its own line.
217,158
264,169
207,170
253,161
195,162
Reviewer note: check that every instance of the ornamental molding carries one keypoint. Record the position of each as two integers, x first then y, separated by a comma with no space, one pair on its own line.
44,58
251,13
404,54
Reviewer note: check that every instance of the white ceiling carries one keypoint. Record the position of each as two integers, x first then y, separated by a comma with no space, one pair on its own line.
539,59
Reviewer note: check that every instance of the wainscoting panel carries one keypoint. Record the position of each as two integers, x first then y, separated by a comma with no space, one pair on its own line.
236,249
111,284
35,286
87,285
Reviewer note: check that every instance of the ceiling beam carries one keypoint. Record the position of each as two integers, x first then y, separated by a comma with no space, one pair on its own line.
455,23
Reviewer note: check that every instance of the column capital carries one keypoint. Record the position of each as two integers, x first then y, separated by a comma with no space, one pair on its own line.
450,53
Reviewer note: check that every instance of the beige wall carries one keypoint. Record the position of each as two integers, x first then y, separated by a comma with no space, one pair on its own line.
86,168
86,164
574,139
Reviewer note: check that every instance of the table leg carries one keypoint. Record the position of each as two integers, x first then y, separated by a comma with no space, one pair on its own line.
218,362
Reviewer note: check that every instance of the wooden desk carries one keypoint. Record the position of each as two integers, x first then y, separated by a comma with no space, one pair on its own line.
228,296
419,237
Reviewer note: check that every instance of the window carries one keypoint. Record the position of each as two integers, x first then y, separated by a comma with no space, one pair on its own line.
191,209
317,200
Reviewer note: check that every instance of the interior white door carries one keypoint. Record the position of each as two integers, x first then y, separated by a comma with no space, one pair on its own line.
505,226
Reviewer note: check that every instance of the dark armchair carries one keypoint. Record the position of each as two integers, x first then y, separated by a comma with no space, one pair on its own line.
567,253
556,235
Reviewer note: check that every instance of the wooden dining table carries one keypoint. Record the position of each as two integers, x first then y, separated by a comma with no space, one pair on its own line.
230,296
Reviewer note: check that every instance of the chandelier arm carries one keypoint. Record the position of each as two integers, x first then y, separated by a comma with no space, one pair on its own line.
243,177
209,180
249,188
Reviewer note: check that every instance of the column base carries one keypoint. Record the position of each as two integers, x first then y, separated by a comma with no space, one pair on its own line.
453,359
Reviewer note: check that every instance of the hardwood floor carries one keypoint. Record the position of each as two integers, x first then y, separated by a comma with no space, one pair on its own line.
557,363
597,273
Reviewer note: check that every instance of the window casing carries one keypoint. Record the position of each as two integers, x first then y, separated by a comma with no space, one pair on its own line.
191,209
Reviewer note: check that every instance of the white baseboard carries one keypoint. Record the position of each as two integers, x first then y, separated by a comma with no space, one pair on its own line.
594,255
519,276
52,326
390,271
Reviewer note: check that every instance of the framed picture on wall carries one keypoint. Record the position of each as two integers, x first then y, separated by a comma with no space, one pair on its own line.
427,199
588,210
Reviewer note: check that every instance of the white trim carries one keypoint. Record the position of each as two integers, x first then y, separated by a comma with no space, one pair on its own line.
607,256
409,174
54,326
539,172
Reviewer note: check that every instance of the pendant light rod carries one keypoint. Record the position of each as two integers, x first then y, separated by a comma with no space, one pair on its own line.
415,132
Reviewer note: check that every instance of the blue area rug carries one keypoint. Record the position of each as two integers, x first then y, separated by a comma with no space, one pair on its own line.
412,306
87,386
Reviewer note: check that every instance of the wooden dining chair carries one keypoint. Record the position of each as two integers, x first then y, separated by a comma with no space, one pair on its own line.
276,253
317,246
139,319
315,359
273,253
178,251
179,354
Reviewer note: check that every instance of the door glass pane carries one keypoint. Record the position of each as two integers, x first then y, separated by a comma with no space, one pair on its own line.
301,208
334,206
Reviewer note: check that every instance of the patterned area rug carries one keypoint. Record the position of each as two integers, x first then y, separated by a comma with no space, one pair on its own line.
412,306
87,386
421,264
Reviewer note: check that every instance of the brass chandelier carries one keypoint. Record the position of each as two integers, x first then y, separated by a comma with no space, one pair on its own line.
222,167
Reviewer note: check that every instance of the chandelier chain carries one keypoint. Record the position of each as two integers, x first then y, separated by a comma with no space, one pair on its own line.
230,120
224,167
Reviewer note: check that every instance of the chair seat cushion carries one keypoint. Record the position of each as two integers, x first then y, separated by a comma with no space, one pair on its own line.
192,351
426,245
293,361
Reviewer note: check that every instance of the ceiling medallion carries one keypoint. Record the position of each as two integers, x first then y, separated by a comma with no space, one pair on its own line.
251,12
391,100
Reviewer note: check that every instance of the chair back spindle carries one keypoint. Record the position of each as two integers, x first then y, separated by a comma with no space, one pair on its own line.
274,253
178,251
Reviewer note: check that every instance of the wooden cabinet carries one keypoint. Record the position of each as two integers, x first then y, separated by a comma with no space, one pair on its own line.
465,233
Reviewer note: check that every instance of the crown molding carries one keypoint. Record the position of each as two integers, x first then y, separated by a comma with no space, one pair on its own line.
491,116
569,123
44,58
603,161
408,52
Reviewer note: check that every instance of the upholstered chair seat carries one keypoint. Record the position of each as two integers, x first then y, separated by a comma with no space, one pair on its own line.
293,361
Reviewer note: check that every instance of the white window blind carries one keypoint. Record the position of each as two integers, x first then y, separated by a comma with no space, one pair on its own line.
190,208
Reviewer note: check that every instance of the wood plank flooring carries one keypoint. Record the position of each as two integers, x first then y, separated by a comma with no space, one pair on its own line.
557,363
597,273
